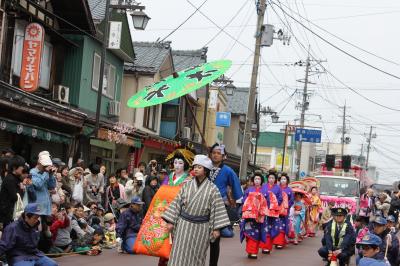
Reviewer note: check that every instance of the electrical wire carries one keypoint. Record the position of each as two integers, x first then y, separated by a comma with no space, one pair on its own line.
186,20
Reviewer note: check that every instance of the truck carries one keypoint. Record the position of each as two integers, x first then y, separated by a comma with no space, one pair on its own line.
343,191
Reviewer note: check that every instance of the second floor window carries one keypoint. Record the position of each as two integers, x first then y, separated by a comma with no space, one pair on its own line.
150,118
109,78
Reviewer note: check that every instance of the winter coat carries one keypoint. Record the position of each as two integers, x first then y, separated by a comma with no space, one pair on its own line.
8,197
91,182
61,232
148,194
130,190
121,195
128,224
20,242
42,183
395,206
371,262
393,250
383,207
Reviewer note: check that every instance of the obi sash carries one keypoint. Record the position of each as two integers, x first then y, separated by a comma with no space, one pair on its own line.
200,219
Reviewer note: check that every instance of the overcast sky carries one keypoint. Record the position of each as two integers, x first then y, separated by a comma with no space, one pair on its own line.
371,25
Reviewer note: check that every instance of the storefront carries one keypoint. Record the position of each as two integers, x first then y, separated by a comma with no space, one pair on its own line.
156,148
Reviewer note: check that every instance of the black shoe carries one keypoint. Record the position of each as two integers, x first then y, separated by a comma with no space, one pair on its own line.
252,256
266,251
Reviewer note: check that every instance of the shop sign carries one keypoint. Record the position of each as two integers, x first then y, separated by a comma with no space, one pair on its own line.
31,57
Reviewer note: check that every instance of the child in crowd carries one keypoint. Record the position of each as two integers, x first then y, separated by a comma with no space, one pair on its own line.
90,244
299,217
110,234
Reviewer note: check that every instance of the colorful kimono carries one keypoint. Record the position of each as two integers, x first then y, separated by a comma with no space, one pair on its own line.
287,202
313,215
273,195
253,216
299,216
171,180
196,212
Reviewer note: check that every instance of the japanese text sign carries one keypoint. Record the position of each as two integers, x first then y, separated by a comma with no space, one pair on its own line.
31,57
308,135
223,119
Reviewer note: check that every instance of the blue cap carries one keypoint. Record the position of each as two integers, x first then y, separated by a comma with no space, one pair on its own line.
380,220
137,200
391,218
370,239
34,208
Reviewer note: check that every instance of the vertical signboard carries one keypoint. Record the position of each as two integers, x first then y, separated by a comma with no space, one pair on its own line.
114,40
31,56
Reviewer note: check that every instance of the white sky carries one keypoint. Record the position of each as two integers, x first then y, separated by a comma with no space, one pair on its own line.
372,25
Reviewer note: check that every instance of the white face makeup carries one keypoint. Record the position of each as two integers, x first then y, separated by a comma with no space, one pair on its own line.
179,166
257,181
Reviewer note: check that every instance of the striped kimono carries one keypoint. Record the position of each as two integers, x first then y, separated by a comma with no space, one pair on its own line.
195,213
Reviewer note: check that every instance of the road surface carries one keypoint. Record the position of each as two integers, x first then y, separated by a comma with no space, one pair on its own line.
232,254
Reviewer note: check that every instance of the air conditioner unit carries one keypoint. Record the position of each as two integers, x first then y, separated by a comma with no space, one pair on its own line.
197,138
114,108
186,133
61,93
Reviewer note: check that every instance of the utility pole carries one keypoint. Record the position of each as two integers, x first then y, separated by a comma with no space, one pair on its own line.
244,161
343,128
371,136
304,107
284,146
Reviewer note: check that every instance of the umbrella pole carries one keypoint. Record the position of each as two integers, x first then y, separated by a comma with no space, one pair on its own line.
205,113
203,140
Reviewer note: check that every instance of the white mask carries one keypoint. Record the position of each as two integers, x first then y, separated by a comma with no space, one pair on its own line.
179,166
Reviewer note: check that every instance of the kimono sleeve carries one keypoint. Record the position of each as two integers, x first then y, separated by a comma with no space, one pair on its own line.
218,215
173,211
235,184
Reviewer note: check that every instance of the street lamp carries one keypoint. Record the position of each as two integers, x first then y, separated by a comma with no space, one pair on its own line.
229,88
275,118
140,19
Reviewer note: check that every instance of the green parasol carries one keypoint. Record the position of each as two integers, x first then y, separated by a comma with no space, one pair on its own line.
179,84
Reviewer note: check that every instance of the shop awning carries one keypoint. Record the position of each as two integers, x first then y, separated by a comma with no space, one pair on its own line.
34,131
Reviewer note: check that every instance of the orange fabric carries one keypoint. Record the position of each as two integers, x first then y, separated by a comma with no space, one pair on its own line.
153,237
285,204
252,246
274,208
280,240
255,207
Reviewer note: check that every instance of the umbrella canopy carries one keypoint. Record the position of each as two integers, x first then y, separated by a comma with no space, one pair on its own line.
179,84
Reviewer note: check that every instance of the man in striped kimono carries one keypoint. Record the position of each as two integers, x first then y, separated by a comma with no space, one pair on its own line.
196,215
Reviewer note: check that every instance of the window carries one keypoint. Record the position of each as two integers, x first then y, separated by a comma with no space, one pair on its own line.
240,138
150,118
47,55
109,77
263,159
169,112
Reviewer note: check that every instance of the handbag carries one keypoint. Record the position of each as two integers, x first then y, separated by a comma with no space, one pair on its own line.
18,208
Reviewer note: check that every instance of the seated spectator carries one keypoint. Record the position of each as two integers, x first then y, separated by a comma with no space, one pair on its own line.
129,224
110,234
115,191
91,243
20,239
61,230
78,223
149,192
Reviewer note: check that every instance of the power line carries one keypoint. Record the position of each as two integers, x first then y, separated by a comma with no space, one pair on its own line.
338,48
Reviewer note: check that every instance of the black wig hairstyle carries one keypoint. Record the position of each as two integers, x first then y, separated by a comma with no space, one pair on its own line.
285,175
179,155
259,174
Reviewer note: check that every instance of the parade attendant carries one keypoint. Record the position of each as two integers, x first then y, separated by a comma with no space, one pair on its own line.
339,238
369,245
129,224
21,238
299,214
313,212
389,249
287,203
196,215
223,177
253,217
273,194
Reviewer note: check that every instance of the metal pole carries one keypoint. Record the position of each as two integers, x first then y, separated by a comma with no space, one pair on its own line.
284,147
102,67
368,148
205,116
252,92
343,128
258,134
303,112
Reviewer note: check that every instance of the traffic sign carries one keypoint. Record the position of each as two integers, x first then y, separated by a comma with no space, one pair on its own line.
223,119
308,135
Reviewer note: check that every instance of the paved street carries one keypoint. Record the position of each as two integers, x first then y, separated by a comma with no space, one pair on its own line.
232,254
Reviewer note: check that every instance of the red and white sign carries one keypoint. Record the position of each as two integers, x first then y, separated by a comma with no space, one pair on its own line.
31,57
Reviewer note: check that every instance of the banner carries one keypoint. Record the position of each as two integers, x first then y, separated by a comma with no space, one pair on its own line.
31,57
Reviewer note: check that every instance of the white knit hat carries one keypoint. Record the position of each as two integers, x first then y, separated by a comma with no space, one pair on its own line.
44,158
203,160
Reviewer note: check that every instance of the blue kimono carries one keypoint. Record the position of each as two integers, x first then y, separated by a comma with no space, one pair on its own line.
227,177
299,219
271,224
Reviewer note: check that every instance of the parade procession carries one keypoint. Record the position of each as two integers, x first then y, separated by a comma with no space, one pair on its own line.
199,132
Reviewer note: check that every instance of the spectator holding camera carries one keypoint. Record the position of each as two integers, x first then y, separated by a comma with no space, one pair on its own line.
93,185
134,187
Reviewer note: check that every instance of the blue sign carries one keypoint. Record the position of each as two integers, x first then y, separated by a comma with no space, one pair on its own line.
302,174
223,119
308,135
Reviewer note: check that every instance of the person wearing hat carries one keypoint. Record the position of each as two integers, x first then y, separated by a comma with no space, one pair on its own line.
369,245
390,242
129,224
339,238
21,238
391,224
134,187
110,234
198,209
